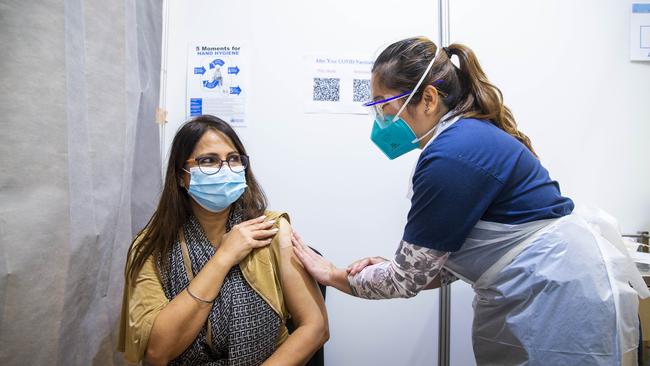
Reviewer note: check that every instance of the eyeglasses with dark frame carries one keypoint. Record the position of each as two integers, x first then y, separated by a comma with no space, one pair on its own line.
211,164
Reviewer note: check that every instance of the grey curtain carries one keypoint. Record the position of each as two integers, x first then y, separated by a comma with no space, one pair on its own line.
80,159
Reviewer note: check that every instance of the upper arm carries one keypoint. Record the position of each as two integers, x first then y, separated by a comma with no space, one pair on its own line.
144,300
450,195
301,293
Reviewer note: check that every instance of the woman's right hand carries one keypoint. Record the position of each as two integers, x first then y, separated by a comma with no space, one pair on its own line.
323,271
245,237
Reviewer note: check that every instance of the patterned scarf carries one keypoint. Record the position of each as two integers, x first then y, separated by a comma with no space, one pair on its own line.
244,329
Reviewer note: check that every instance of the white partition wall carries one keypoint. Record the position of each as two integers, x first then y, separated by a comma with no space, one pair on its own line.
562,66
343,195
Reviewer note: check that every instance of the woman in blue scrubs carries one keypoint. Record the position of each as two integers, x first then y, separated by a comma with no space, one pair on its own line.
553,286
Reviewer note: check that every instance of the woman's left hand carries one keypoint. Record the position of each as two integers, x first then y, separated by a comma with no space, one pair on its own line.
359,265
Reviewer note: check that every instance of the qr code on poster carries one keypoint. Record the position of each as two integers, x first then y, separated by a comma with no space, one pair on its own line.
361,90
326,89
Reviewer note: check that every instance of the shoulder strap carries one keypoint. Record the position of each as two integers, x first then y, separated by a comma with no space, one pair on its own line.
186,256
188,269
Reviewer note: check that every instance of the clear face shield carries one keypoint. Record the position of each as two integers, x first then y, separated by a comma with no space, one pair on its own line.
376,108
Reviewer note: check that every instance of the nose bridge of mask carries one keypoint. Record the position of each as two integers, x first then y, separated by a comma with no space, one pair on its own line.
224,188
377,113
222,175
384,121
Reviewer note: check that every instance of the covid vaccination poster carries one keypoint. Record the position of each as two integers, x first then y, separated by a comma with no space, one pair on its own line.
216,75
336,84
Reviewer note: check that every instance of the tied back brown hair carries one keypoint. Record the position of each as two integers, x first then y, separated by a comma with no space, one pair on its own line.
160,233
469,92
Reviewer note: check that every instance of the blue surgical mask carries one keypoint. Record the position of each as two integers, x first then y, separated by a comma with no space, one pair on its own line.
216,192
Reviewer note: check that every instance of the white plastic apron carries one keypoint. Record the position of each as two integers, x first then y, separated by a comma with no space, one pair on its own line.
551,292
565,295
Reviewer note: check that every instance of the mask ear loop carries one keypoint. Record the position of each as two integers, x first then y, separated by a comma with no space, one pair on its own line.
182,182
426,72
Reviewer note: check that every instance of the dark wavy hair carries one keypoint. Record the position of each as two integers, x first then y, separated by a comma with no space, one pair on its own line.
174,208
469,92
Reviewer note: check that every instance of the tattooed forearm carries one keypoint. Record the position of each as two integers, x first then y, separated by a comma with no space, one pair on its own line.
412,269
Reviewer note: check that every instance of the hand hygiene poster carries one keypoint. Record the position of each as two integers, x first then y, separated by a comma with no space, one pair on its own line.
216,75
336,84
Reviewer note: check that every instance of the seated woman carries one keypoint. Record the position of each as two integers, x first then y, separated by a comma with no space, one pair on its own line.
212,278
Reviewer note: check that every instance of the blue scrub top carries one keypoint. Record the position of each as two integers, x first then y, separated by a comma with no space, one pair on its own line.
475,171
